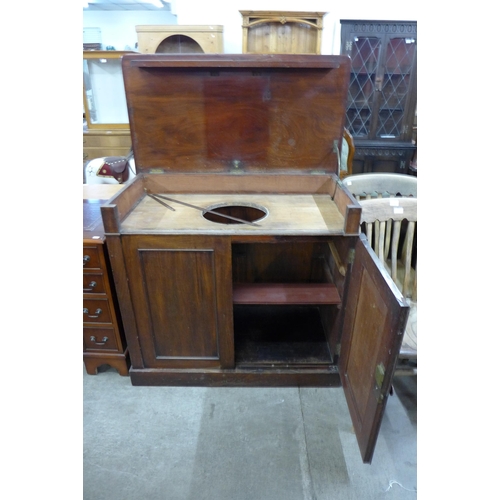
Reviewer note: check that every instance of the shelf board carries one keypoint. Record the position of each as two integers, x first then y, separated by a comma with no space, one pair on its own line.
285,293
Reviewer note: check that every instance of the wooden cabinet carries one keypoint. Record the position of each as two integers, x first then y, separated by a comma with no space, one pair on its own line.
183,300
100,143
103,337
236,251
382,95
282,32
106,130
177,39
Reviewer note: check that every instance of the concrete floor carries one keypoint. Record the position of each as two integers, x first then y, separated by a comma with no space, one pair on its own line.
185,443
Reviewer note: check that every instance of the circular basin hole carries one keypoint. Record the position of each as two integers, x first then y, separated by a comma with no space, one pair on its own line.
235,214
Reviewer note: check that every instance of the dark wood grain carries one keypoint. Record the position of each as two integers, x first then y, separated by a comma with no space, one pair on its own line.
285,293
99,293
375,319
226,183
182,295
281,261
209,124
252,113
244,377
349,208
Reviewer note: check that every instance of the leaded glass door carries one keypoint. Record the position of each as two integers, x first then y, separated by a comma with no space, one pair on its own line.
393,88
382,93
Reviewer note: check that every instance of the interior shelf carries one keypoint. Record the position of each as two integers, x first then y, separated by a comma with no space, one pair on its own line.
277,335
285,293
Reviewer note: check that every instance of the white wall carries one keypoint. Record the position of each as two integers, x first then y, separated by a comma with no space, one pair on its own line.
118,28
227,14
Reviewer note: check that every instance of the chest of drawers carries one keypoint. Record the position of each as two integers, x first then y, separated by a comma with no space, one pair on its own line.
100,143
103,339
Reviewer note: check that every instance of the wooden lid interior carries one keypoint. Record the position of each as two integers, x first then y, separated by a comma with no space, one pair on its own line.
236,113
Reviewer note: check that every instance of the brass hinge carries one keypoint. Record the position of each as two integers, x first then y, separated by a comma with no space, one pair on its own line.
379,380
379,375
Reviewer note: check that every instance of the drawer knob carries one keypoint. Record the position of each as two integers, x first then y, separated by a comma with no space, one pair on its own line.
96,315
104,340
86,258
92,285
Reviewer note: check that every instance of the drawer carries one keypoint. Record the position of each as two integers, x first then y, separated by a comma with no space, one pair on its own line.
99,339
96,311
93,283
92,258
106,141
92,153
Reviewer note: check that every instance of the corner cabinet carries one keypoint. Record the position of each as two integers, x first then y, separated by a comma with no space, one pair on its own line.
382,95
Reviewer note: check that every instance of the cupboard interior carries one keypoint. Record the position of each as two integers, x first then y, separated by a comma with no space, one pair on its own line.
287,302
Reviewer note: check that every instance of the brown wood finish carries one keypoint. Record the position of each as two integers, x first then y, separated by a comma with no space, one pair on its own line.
382,98
178,281
243,127
270,138
282,32
261,377
374,324
278,214
101,312
103,337
120,277
99,338
223,183
159,39
349,207
98,143
285,293
280,262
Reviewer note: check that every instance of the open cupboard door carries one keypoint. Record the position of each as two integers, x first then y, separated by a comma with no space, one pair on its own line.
374,324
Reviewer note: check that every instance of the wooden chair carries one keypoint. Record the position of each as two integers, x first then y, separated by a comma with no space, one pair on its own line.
347,155
395,245
366,186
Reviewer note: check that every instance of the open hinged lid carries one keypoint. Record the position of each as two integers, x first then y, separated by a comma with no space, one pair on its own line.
236,113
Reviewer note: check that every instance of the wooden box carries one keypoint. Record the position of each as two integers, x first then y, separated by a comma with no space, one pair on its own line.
291,296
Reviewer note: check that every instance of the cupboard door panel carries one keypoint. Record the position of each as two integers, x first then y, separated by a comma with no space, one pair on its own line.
180,290
375,319
182,310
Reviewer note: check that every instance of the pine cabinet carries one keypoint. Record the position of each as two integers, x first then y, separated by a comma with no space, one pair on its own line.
382,94
106,131
282,32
